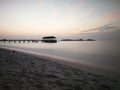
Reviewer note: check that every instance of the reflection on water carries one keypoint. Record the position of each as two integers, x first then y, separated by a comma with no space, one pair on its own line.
99,54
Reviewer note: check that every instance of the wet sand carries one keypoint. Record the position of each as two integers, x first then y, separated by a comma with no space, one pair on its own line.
22,71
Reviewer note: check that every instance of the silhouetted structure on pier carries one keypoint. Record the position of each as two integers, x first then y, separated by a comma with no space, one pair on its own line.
49,39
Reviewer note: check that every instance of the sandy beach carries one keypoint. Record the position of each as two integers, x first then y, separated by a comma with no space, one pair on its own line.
22,71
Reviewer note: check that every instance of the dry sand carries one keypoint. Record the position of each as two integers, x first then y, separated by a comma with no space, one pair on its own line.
21,71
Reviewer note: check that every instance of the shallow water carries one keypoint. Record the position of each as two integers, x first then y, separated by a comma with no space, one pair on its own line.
100,55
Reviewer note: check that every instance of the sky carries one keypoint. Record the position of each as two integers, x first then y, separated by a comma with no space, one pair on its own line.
25,19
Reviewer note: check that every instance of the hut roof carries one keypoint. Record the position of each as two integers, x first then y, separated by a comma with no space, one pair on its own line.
47,37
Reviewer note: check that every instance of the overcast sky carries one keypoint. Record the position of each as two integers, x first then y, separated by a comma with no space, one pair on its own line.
99,19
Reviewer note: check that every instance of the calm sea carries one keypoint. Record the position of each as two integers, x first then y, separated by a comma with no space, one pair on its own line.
101,56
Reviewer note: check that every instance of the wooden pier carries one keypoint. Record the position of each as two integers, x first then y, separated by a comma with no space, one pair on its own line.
18,40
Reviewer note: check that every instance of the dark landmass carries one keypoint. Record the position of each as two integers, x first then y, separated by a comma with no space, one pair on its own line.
90,40
78,40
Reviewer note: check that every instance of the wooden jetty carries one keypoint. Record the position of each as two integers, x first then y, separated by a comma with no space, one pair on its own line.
19,40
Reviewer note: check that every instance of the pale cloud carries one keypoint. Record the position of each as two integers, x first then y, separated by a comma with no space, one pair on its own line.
105,28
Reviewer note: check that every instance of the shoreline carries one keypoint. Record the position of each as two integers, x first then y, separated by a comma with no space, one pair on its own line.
87,68
23,71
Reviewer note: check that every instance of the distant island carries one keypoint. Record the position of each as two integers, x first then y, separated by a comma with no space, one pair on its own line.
90,40
78,40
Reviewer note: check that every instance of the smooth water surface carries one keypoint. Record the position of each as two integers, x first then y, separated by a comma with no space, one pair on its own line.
102,55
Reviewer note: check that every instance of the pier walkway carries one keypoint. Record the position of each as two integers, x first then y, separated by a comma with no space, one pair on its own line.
20,40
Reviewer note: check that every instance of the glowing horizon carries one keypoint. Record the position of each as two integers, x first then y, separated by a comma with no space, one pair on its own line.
62,18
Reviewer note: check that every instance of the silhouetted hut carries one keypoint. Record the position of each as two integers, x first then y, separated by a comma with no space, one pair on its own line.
49,39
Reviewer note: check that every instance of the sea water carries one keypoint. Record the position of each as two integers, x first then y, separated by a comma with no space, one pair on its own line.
97,55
